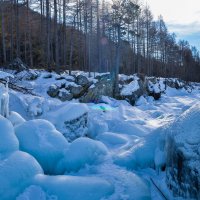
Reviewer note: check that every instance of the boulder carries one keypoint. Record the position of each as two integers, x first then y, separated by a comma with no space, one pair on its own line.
53,90
82,80
77,91
97,90
175,83
31,75
155,87
133,91
65,95
18,65
183,155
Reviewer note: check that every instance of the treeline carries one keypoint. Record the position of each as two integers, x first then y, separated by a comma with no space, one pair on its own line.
119,36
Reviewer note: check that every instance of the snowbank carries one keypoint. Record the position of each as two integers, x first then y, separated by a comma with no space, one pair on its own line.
16,172
43,141
8,141
81,152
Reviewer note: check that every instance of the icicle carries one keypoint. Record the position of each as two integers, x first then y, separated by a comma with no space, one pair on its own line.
4,99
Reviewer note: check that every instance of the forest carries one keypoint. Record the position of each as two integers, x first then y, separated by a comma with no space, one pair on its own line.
117,36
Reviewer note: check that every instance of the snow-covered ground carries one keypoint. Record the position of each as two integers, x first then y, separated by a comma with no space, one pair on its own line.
120,159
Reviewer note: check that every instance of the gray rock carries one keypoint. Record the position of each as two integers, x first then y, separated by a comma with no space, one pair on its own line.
97,90
53,91
65,95
82,80
77,91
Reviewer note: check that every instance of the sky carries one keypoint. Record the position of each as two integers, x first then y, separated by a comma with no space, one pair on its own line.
181,16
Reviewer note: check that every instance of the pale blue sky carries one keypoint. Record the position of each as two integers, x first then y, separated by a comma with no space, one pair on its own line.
181,17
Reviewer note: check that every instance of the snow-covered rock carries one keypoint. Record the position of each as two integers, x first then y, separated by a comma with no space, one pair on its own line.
18,65
70,120
155,87
15,118
16,173
133,90
183,154
53,90
8,141
65,95
82,152
82,80
43,141
77,91
74,187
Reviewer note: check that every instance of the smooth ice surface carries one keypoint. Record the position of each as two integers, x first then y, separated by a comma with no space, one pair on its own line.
16,172
41,139
74,187
8,140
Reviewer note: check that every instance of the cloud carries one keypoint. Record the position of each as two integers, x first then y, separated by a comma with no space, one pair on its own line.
184,29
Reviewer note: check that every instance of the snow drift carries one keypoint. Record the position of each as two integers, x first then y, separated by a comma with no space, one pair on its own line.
41,139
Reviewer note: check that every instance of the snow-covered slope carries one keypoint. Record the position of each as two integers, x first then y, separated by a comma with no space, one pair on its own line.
120,149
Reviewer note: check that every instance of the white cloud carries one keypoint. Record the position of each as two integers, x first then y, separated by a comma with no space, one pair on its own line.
182,17
178,11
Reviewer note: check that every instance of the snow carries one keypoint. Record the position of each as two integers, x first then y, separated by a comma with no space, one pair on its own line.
74,187
32,193
40,138
70,120
5,75
124,150
15,118
16,172
130,88
8,141
82,152
67,113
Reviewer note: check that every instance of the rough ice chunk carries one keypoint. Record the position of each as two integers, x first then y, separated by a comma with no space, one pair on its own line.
74,187
70,120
